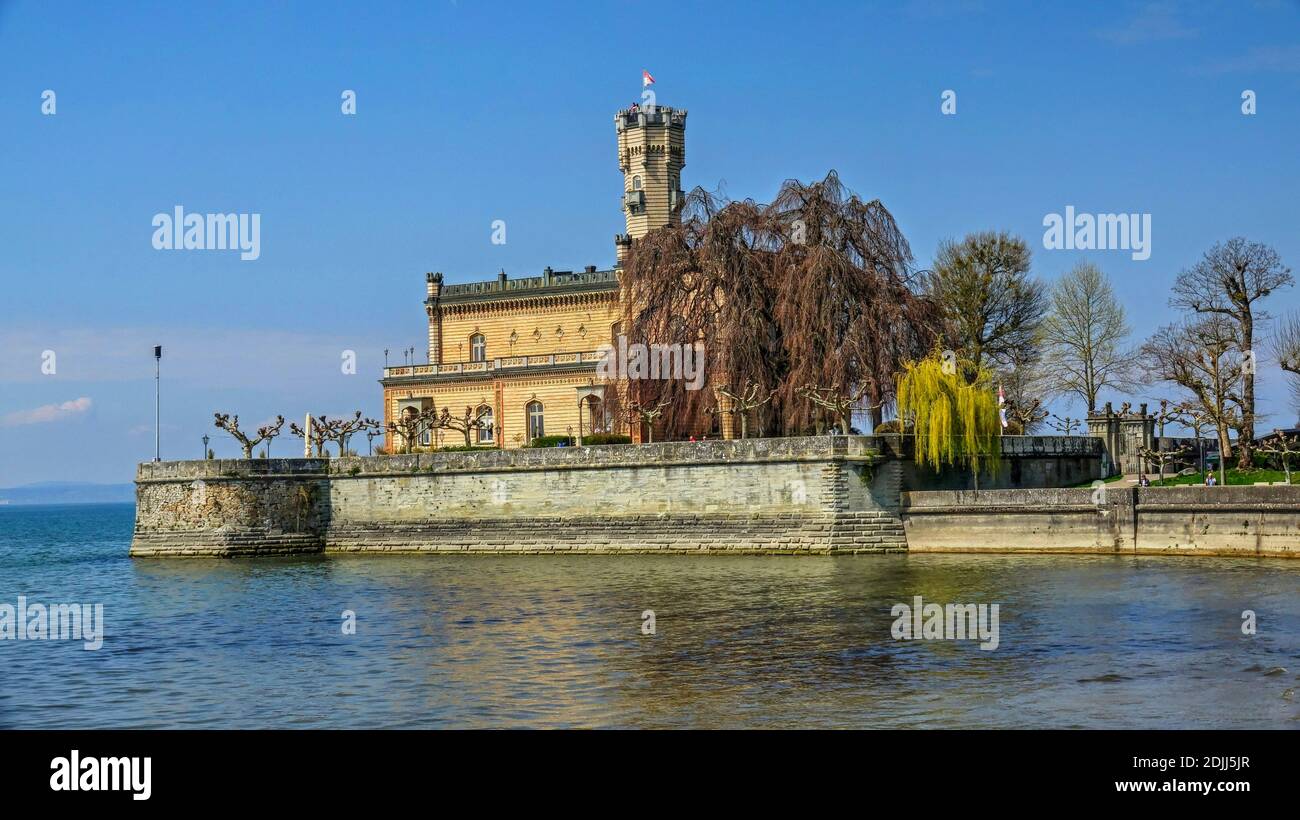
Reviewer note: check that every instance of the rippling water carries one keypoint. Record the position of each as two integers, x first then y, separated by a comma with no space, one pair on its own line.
475,641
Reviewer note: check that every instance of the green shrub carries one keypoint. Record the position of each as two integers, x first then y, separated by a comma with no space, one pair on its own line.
551,441
606,438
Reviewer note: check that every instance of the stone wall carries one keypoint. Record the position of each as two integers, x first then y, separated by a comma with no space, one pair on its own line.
791,495
1025,462
1192,520
230,507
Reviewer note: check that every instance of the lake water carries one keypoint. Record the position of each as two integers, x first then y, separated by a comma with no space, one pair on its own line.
475,641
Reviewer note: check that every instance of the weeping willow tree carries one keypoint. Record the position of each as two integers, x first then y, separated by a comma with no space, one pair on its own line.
953,410
815,289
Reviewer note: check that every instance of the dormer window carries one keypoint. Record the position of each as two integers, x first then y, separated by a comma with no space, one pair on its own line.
477,348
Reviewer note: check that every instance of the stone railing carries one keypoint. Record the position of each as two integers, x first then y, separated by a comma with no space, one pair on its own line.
549,279
492,365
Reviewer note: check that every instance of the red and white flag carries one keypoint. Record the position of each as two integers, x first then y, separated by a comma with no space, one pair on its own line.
646,79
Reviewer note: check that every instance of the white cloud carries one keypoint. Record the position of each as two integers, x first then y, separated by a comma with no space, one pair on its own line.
46,413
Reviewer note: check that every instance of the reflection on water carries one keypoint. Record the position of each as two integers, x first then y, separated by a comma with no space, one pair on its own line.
466,641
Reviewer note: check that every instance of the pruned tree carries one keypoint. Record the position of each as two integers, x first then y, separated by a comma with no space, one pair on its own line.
411,424
1160,457
1026,417
466,424
1284,446
1200,356
1064,424
318,435
1228,282
1084,335
1026,387
743,402
340,431
1192,416
645,414
224,421
990,306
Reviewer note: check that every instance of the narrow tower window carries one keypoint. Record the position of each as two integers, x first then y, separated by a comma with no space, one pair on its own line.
536,427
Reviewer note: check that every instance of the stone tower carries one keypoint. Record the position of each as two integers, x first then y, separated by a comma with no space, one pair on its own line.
651,155
433,307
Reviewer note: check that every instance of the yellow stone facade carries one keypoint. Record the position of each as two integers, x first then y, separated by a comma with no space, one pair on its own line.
527,348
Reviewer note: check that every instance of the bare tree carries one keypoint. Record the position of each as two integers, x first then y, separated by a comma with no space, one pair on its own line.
340,431
841,403
319,434
1084,335
1285,345
411,424
1026,416
743,402
466,424
1027,388
1161,457
1192,416
815,288
1201,357
990,306
645,414
231,425
1227,282
1064,424
1283,446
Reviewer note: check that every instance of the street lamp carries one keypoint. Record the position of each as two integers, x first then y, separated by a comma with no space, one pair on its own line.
157,403
205,446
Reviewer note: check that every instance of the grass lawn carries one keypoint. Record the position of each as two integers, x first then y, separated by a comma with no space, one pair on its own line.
1232,476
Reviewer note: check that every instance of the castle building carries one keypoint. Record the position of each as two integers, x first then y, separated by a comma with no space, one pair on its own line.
522,353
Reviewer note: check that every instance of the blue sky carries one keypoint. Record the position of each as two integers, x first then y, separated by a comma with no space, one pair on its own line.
470,112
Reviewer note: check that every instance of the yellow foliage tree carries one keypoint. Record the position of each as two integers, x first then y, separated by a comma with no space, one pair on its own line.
953,410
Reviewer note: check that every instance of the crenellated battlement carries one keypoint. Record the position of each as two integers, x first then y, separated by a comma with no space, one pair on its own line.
659,115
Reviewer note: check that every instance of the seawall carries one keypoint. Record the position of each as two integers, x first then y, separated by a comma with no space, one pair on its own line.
1190,520
791,495
819,495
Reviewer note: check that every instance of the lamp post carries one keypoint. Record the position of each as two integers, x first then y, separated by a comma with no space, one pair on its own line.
205,446
157,403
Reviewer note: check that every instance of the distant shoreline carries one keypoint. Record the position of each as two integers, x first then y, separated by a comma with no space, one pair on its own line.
6,504
66,492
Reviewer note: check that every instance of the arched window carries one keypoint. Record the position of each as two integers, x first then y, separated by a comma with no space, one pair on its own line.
477,348
487,429
536,427
636,183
